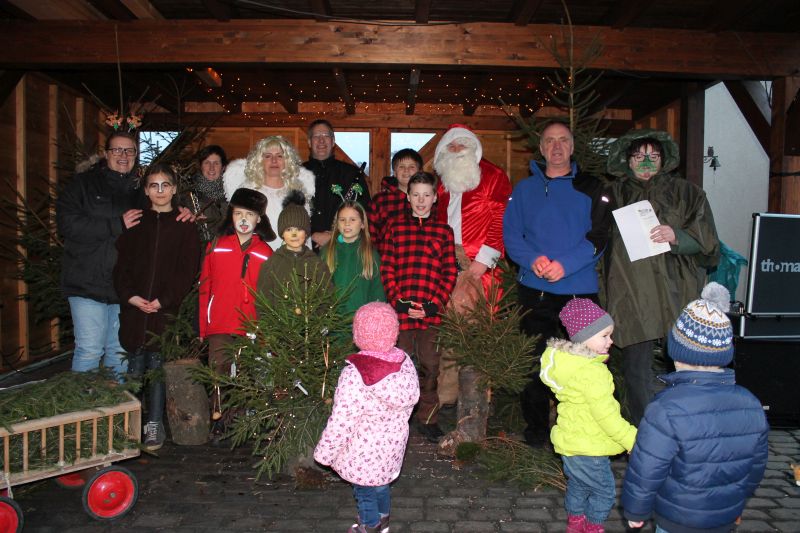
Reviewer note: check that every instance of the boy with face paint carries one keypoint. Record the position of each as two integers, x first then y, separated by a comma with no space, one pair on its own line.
230,271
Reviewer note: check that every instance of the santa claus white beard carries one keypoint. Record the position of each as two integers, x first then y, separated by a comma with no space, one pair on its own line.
459,170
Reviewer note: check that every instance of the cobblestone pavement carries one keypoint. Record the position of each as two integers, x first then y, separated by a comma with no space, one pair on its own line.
205,489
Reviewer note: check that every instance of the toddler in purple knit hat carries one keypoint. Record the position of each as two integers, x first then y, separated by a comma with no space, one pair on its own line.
589,427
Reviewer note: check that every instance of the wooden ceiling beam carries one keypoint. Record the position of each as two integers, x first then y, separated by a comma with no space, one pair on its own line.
525,10
479,45
218,10
344,90
752,114
413,87
625,12
113,9
422,11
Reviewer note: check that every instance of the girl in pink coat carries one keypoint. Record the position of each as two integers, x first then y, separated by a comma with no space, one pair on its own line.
367,432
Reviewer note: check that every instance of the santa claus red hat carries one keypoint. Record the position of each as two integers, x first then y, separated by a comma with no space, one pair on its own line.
458,131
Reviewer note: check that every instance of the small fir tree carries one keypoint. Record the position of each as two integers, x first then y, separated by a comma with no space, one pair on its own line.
286,370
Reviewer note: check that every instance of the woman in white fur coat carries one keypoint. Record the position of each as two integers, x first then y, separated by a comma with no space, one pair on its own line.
273,168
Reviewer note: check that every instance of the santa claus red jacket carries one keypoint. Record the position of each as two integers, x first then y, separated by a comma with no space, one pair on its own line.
482,210
226,280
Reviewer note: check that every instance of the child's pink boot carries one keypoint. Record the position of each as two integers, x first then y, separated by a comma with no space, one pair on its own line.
576,523
594,528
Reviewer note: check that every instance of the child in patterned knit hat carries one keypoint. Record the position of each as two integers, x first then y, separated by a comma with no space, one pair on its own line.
589,427
366,435
702,444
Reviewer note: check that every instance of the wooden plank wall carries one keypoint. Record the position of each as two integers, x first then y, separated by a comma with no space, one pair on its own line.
34,122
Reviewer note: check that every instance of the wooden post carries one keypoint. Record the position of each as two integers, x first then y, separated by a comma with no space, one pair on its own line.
380,157
21,184
784,191
692,138
52,178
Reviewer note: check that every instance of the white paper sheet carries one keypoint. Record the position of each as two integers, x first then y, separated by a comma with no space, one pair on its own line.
635,222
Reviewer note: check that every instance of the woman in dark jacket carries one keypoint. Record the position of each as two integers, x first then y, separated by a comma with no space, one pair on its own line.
92,211
645,296
157,264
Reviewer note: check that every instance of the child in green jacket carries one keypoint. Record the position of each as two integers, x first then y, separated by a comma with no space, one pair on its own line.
589,427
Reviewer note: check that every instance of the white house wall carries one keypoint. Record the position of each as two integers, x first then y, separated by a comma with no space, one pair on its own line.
740,186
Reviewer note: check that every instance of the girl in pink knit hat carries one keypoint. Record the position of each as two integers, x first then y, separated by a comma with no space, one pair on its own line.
366,435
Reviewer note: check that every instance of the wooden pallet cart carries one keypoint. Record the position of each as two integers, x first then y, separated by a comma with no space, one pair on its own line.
88,443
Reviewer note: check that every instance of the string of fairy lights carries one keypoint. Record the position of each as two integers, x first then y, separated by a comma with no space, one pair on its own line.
432,91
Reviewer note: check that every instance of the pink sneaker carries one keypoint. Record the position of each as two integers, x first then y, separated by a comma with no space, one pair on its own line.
594,528
576,524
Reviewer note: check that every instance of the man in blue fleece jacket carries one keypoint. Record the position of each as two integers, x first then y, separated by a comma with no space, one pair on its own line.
555,228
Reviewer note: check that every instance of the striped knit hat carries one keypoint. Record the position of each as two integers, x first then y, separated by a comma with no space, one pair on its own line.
703,335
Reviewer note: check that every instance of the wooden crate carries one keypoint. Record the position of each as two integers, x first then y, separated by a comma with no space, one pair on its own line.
95,426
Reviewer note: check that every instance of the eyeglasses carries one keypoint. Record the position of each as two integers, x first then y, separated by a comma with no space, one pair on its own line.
639,156
322,136
120,151
160,186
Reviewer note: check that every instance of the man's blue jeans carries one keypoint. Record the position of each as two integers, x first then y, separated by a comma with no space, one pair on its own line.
590,487
373,503
96,336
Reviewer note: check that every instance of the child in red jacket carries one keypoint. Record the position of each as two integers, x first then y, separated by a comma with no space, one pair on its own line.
230,272
419,272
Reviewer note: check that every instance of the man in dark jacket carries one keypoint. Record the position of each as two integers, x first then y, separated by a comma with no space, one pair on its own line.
555,227
329,172
91,212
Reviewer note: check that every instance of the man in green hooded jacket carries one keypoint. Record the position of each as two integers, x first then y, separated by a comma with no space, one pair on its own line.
646,296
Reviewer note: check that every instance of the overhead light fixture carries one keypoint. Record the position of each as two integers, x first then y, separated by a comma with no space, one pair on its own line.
711,159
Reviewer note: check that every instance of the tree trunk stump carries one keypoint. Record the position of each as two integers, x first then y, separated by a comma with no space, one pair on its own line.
187,404
473,412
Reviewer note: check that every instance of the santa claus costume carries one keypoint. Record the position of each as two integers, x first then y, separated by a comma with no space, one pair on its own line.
472,199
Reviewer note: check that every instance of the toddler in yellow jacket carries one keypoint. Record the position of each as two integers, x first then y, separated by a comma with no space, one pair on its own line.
589,427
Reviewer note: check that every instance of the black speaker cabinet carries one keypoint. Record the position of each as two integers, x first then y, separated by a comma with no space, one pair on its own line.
770,369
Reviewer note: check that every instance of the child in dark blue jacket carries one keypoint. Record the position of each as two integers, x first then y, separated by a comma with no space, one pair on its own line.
701,449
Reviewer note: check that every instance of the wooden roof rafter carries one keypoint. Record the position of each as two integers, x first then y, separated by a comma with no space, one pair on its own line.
725,13
344,90
322,8
625,12
422,11
413,87
113,9
281,91
218,10
143,9
524,11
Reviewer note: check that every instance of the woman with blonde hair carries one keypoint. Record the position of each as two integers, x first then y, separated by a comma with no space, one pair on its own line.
273,168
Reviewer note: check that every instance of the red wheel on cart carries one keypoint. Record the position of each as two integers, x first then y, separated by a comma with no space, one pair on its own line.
11,520
74,480
110,493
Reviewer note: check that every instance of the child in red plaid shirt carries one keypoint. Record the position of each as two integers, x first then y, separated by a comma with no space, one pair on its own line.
419,272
